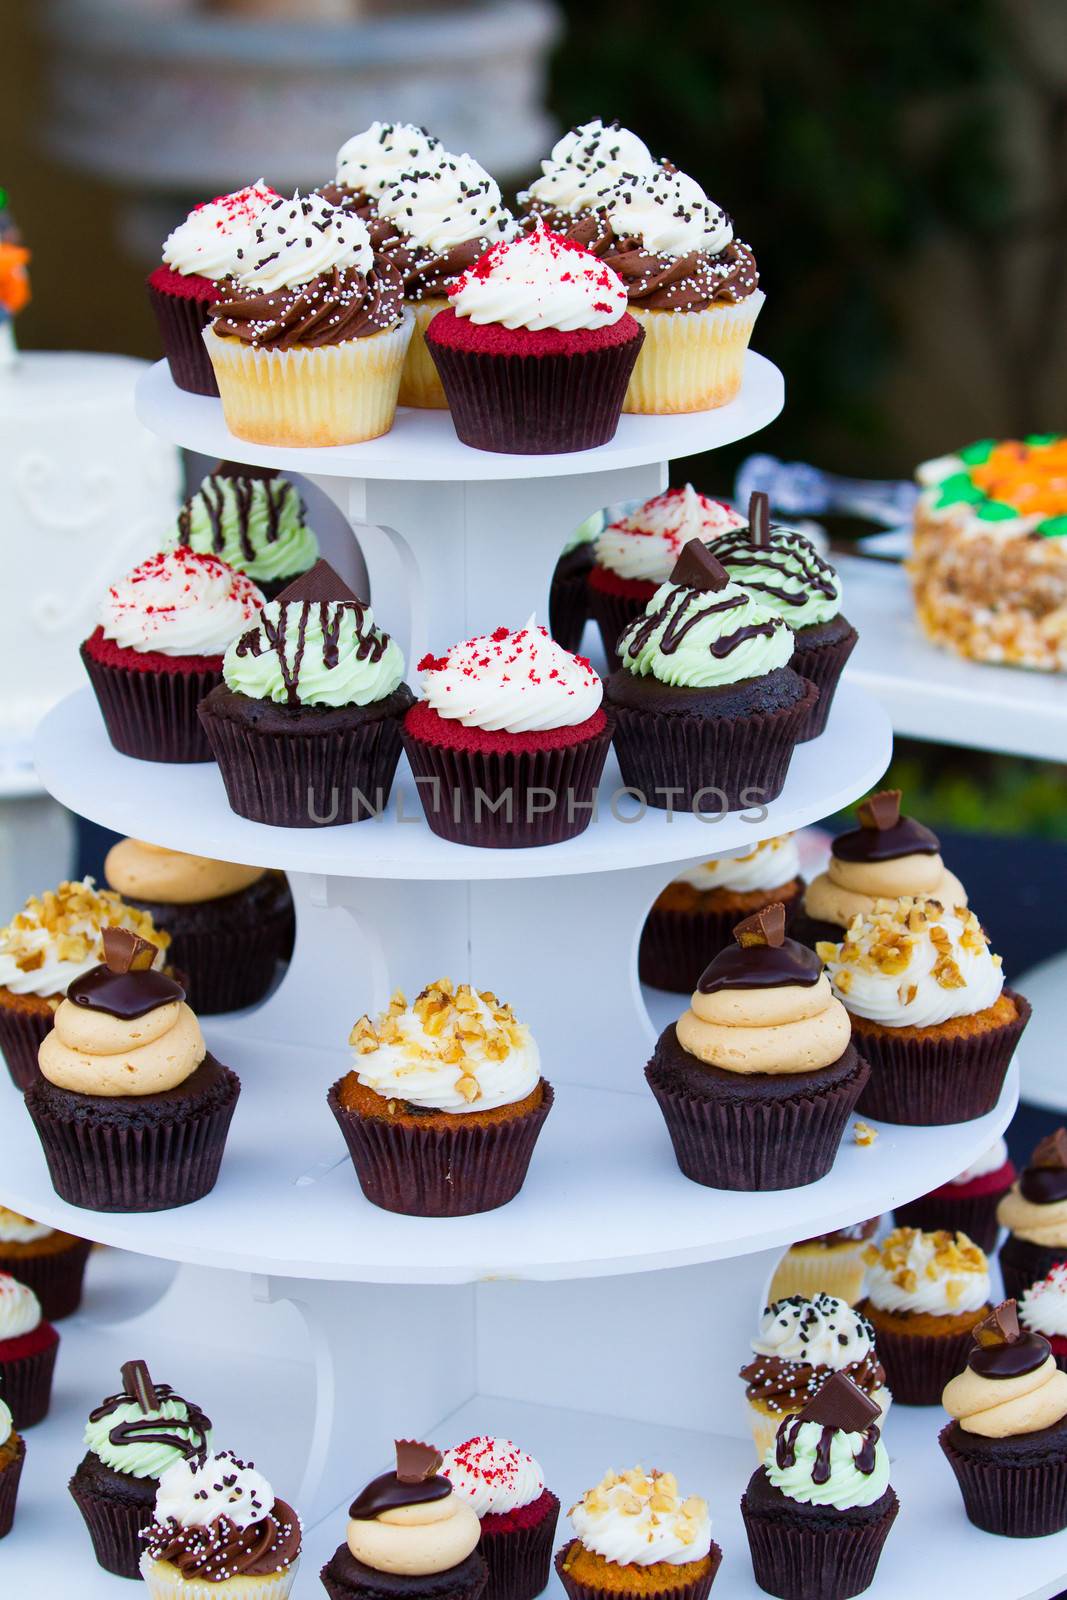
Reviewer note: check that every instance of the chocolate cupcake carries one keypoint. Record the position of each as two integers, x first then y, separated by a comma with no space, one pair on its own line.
1034,1211
636,551
410,1537
585,164
204,250
253,519
788,576
218,1529
536,348
888,857
12,1456
707,708
445,1103
967,1203
830,1263
158,649
506,1489
132,1439
229,924
28,1348
757,1080
373,160
1007,1443
49,1262
55,938
508,744
635,1534
568,594
926,1292
929,1010
695,915
131,1109
306,723
818,1511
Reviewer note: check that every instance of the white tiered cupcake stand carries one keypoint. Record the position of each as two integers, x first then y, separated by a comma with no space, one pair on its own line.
598,1319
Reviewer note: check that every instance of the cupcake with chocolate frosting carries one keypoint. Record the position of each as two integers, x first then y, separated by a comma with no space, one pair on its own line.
788,576
506,1488
28,1348
1034,1211
305,725
130,1107
372,161
410,1534
132,1438
757,1080
707,707
253,519
12,1456
1007,1442
47,1260
635,1534
308,339
831,1263
968,1202
818,1511
229,924
584,166
218,1530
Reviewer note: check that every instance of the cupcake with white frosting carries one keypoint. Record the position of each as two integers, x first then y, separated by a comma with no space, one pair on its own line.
1034,1211
926,1292
695,915
1043,1310
372,161
968,1202
584,166
636,1533
12,1456
157,650
46,1260
28,1348
444,1102
308,339
505,1486
536,348
509,740
929,1009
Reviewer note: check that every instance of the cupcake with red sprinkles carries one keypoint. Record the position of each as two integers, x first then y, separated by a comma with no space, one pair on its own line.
536,348
28,1348
1043,1310
157,650
508,741
967,1203
506,1489
205,249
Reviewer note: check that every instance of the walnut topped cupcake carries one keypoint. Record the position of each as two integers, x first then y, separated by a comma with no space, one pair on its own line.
12,1457
636,1533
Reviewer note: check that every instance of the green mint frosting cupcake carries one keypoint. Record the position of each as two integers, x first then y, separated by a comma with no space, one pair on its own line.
252,519
700,640
328,653
144,1444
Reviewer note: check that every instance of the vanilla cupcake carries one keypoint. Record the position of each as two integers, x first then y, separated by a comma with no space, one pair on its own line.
828,1262
635,1533
372,161
517,1514
1034,1211
46,1260
584,165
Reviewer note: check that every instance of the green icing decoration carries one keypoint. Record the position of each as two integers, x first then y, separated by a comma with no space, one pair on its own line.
974,454
1041,441
141,1458
693,663
288,658
1052,528
957,489
254,524
788,577
996,511
846,1486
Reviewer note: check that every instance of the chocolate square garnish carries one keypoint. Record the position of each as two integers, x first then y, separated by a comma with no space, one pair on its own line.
319,582
416,1462
1000,1327
766,926
1052,1151
759,518
125,951
880,811
697,568
137,1382
242,469
841,1404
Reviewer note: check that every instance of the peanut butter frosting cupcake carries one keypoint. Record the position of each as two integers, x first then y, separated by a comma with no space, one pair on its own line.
130,1107
1034,1211
49,1262
444,1104
1007,1442
635,1533
12,1456
757,1079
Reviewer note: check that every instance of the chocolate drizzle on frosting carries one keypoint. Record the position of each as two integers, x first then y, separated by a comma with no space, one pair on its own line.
321,589
839,1407
697,574
416,1481
762,957
243,479
188,1435
125,985
803,570
883,834
1044,1181
1003,1349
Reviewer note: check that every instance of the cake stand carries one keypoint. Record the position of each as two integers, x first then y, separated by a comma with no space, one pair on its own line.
600,1317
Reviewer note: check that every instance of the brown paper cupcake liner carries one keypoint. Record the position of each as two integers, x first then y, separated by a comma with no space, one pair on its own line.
1022,1263
21,1033
134,1167
696,1589
756,1145
520,1560
1014,1500
676,946
182,321
227,949
458,790
297,780
974,1215
823,667
717,763
918,1365
115,1528
932,1081
611,613
152,715
831,1561
536,405
55,1276
440,1172
26,1386
568,598
9,1488
465,1582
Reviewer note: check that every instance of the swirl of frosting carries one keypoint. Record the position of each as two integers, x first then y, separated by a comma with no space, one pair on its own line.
1032,1220
1002,1407
822,1331
146,1444
371,161
992,1161
584,164
540,280
847,1475
178,603
788,575
152,872
452,1050
56,937
17,1229
20,1309
7,1423
253,521
849,889
698,639
416,1540
335,306
770,864
521,682
637,1519
214,239
645,543
786,1029
1043,1307
494,1475
668,212
911,963
300,239
656,281
93,1052
196,1492
315,653
938,1274
445,201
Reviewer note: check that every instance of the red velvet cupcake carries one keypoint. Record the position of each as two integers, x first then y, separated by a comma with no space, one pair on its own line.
203,251
536,349
1043,1310
158,651
966,1204
506,1489
28,1346
509,742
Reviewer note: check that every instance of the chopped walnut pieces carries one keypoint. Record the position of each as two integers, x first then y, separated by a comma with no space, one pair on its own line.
864,1134
445,1026
363,1038
826,951
907,992
66,924
939,1255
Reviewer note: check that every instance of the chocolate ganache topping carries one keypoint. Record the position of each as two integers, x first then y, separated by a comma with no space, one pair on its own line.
883,834
1003,1349
214,502
126,984
416,1481
1044,1181
188,1436
839,1407
761,957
